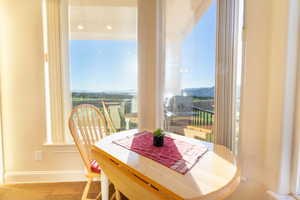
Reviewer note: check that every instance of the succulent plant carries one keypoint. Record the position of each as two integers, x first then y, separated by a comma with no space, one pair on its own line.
158,132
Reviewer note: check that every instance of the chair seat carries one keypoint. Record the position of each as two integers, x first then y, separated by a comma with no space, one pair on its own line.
95,167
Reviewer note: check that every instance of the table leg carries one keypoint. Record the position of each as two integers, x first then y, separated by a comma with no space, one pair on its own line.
104,186
127,123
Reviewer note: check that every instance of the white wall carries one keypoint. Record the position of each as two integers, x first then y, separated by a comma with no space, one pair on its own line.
255,88
24,108
268,98
283,66
254,100
23,97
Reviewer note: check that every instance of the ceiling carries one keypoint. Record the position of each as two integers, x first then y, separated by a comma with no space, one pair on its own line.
117,19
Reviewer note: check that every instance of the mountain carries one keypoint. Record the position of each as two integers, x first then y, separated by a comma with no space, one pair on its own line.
196,92
199,92
123,92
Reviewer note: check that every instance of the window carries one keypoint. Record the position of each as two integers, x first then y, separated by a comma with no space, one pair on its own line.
203,69
93,59
99,53
103,59
190,68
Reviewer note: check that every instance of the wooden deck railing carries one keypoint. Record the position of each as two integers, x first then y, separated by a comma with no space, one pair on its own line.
202,118
201,125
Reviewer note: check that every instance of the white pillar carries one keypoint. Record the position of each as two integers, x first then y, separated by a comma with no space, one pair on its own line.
149,104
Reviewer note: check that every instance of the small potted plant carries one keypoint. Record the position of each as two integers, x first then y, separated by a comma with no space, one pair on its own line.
158,137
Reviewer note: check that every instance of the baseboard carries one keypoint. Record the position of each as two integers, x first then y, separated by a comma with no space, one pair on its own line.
43,176
275,196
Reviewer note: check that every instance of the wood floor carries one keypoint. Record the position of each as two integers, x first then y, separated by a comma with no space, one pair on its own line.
73,191
47,191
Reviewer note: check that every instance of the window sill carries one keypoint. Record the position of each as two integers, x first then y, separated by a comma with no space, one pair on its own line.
275,196
297,197
61,147
46,144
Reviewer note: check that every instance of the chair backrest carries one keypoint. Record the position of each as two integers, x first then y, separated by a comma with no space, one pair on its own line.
110,125
87,126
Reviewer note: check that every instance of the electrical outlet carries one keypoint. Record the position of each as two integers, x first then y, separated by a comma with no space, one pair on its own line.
244,179
38,155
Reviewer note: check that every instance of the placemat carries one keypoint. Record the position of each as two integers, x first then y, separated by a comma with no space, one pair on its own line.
176,154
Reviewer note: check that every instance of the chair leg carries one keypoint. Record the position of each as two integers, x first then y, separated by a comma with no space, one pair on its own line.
98,196
113,196
86,189
118,195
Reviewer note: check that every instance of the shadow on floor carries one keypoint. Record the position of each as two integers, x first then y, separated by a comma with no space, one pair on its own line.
73,191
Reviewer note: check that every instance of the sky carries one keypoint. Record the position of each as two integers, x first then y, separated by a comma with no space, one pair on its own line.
111,65
103,65
198,52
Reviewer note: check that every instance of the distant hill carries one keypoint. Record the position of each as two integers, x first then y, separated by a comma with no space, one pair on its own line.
105,95
199,92
196,92
130,92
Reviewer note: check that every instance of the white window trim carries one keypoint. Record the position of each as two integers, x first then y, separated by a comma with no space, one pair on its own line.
228,25
150,74
293,60
59,96
288,184
67,93
2,170
295,174
55,74
151,50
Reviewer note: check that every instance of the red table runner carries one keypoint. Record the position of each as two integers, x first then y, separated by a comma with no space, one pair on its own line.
178,155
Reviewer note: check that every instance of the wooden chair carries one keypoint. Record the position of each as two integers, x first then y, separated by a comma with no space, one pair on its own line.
87,125
110,125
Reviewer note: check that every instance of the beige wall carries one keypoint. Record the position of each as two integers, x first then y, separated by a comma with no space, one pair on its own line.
254,100
23,97
267,98
24,108
284,52
255,88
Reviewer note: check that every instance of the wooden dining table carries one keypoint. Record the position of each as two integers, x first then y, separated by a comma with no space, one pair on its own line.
214,176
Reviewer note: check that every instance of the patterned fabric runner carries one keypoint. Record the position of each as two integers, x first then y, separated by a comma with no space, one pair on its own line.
178,155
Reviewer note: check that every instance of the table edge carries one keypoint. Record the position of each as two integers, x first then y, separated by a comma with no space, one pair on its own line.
232,184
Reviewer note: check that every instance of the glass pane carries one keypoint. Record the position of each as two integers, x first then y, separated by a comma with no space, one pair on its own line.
103,58
190,67
239,68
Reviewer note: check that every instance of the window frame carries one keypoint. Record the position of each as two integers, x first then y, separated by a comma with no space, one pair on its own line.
67,93
228,25
295,173
58,95
53,74
151,46
293,54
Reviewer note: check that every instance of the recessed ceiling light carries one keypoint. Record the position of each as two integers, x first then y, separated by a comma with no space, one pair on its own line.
108,27
80,27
